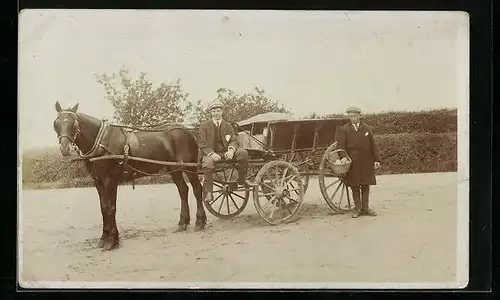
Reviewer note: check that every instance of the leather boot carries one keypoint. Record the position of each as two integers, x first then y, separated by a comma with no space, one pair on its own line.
357,201
365,194
208,184
242,175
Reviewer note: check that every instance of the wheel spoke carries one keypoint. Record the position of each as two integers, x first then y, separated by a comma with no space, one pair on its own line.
239,196
294,189
292,179
234,202
220,207
341,193
227,204
268,186
334,193
329,185
217,198
266,194
283,178
292,200
269,201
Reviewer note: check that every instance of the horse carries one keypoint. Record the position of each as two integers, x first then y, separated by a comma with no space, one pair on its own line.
166,142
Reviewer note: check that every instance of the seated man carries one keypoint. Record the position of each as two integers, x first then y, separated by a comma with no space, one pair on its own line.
218,141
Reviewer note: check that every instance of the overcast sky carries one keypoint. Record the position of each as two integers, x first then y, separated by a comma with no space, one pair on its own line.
319,62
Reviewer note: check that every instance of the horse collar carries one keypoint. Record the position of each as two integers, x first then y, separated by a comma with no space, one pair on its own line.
97,142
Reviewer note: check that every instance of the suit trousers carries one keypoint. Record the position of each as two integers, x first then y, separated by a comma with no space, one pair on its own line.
361,195
208,164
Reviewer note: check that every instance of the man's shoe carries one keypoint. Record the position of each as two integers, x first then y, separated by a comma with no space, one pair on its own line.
248,183
356,213
369,212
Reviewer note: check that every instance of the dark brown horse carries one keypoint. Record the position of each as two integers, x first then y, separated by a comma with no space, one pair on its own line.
94,138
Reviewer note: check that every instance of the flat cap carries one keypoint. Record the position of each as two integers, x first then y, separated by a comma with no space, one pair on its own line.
215,104
353,109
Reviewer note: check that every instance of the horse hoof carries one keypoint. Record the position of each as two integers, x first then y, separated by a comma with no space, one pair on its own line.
100,244
199,228
109,246
180,228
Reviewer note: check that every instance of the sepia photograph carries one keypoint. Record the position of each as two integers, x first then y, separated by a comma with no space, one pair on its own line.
235,149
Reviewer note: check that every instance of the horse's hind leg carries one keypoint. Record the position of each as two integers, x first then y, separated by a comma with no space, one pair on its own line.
201,217
183,193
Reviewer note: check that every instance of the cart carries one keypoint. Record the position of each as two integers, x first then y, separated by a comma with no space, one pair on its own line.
283,154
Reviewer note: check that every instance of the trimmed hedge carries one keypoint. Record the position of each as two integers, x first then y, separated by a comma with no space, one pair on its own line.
434,121
400,153
417,152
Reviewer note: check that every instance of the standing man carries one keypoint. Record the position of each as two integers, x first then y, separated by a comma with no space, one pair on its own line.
356,138
217,141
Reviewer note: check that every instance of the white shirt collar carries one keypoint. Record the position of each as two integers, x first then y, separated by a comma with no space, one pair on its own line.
217,121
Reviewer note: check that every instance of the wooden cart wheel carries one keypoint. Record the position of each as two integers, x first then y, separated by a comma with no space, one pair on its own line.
333,188
299,160
229,199
279,193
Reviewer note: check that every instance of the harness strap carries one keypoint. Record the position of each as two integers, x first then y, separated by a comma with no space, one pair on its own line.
97,142
129,134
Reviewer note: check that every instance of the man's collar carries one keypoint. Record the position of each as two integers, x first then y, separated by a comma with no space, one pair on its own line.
217,121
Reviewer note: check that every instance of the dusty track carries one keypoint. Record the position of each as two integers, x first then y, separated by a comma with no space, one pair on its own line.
413,239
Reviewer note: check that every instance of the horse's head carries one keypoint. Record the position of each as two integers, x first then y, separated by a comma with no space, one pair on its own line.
67,128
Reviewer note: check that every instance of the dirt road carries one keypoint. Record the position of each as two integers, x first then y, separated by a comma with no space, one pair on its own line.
413,239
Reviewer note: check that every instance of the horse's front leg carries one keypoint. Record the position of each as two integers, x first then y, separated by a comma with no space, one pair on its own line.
104,211
111,240
183,190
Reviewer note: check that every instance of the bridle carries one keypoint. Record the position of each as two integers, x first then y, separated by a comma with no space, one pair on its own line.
76,125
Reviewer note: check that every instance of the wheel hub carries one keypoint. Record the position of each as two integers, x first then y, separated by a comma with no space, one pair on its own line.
281,192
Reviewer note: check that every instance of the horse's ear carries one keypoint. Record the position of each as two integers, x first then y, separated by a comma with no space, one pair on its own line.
58,106
75,108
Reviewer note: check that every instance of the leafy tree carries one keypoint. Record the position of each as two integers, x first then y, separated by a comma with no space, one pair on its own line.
138,103
238,107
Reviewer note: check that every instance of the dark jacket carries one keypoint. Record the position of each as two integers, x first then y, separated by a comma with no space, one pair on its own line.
361,147
206,136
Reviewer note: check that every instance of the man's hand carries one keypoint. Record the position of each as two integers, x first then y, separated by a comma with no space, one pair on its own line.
216,157
229,154
376,165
